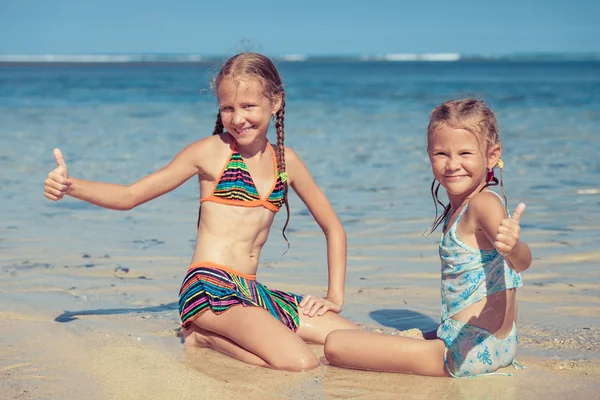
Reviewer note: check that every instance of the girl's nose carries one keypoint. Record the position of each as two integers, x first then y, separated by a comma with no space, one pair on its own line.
453,164
238,118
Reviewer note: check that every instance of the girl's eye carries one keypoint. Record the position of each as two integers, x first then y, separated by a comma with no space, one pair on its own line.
226,109
248,105
466,153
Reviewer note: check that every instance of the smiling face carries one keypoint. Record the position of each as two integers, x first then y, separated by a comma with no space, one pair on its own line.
245,109
460,160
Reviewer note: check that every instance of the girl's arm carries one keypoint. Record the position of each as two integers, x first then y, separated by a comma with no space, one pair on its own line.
124,197
305,187
501,231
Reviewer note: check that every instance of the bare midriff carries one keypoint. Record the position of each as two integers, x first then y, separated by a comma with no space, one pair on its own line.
494,313
237,248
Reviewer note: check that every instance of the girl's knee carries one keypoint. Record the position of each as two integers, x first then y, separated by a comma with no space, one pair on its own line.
334,346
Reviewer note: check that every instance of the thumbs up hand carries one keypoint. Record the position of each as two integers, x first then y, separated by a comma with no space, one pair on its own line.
509,232
57,183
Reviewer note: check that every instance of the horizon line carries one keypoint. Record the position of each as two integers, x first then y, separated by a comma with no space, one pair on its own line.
390,57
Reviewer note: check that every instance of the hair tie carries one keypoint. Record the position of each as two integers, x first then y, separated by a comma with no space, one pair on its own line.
284,177
500,163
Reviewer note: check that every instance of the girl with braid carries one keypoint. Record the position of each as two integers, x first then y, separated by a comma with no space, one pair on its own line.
244,181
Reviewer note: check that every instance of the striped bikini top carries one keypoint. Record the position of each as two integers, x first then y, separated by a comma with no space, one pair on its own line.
236,187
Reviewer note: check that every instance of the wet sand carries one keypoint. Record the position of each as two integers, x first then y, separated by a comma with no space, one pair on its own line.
43,359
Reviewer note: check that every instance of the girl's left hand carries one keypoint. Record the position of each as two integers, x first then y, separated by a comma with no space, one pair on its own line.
318,306
509,232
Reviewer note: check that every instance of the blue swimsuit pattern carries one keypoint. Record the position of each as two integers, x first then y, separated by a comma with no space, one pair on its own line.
468,276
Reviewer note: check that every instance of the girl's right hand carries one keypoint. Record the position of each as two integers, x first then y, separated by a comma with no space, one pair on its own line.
509,232
313,305
57,183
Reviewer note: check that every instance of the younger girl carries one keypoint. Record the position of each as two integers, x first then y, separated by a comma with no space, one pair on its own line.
481,255
243,182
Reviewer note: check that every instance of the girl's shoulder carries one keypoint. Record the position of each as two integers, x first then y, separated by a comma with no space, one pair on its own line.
486,198
209,144
205,152
486,204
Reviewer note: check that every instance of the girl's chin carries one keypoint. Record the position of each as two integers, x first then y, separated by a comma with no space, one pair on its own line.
244,136
248,136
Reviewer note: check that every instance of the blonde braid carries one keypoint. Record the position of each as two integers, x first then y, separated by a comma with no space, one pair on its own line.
281,162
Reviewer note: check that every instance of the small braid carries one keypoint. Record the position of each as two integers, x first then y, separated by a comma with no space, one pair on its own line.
218,125
281,161
218,130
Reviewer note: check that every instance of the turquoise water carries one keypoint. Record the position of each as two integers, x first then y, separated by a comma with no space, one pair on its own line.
359,127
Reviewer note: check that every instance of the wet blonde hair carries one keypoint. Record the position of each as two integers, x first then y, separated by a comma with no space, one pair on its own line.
476,117
256,66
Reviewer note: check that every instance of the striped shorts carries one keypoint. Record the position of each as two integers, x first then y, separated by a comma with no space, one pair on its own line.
209,286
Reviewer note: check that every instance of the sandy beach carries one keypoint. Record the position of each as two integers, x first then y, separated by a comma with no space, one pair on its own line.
43,359
137,352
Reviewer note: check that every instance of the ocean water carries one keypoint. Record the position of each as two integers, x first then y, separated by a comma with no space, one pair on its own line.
359,127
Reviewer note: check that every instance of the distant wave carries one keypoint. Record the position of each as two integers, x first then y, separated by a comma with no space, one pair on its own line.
413,57
100,58
389,57
293,57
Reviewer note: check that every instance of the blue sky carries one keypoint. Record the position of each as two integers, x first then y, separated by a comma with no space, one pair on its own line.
304,26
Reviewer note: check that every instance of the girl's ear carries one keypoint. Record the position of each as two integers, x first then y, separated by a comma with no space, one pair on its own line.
494,153
277,99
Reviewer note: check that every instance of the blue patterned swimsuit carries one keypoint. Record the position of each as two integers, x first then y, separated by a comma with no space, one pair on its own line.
468,276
